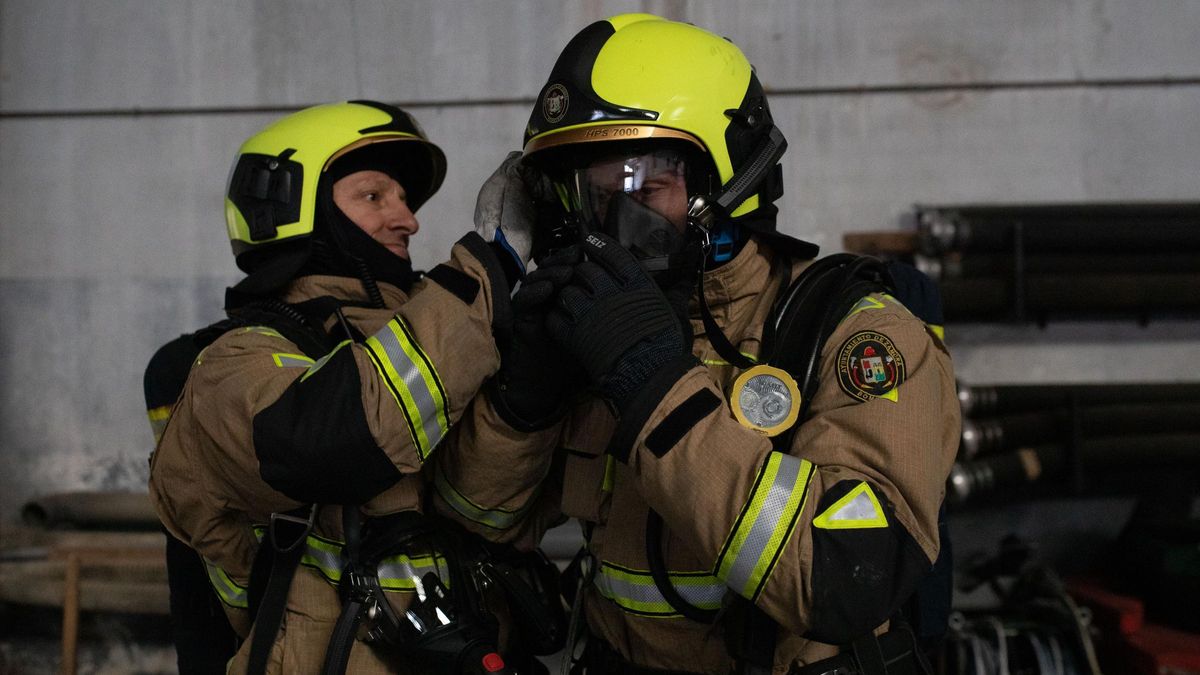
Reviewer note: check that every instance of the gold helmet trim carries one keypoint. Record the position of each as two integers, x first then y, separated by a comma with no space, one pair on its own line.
608,132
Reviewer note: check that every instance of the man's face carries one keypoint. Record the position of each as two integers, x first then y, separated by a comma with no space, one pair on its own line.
654,182
377,204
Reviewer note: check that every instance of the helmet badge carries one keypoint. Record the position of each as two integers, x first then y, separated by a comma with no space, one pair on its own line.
554,103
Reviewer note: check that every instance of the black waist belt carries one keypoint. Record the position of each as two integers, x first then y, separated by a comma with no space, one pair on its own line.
599,658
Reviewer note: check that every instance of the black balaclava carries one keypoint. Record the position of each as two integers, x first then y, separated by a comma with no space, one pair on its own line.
341,248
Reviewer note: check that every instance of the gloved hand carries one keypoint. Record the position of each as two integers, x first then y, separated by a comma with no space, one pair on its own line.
617,322
506,207
536,376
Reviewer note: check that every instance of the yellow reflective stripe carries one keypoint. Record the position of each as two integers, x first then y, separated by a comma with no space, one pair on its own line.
319,363
497,519
413,382
863,305
720,362
292,360
401,572
765,524
230,591
635,592
859,509
398,573
610,473
158,420
939,331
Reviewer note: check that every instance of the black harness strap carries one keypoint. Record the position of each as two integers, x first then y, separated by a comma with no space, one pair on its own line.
282,549
337,654
341,641
279,554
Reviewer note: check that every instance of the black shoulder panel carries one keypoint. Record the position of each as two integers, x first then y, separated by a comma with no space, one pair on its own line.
462,285
860,576
314,445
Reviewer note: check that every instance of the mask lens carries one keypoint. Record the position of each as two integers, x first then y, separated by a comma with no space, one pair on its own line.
655,181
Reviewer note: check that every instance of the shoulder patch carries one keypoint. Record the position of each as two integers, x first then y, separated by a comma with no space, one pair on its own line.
869,366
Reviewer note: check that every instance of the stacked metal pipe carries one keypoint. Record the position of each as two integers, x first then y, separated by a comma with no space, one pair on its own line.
1070,436
999,263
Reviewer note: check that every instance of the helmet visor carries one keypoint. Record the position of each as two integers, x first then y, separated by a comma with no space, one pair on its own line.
641,200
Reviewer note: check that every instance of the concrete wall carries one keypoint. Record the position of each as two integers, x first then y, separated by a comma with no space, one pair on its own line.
119,120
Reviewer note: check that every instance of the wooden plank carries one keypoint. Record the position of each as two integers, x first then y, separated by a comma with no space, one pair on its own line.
70,622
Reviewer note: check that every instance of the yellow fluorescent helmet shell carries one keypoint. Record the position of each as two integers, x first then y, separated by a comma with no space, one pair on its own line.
317,135
625,74
693,99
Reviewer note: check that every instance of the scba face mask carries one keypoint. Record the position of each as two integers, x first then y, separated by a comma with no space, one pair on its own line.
641,200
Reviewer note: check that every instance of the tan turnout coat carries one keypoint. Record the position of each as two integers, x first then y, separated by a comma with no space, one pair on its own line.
839,526
427,355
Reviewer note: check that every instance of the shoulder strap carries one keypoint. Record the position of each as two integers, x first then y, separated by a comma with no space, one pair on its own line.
280,553
271,576
809,310
298,323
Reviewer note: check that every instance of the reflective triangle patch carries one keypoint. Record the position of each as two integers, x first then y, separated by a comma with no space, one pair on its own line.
858,510
863,305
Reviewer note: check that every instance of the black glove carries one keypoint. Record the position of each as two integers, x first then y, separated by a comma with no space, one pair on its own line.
617,322
536,376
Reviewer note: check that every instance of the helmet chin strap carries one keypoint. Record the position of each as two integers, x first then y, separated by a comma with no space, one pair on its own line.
703,215
716,336
703,211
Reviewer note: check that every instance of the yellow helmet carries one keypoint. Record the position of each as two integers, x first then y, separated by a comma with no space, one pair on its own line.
639,77
272,195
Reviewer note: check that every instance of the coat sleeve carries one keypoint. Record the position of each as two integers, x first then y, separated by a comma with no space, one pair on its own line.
498,482
286,429
830,537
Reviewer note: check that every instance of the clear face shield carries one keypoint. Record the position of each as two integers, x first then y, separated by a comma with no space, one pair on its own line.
641,200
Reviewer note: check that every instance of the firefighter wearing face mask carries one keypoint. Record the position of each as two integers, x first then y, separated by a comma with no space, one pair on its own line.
759,458
332,383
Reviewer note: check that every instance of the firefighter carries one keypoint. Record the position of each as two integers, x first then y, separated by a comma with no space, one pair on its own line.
755,443
332,383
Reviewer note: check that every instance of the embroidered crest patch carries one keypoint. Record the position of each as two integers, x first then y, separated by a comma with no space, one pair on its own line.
869,366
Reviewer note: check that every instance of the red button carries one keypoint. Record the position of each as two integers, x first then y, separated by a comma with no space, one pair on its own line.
492,662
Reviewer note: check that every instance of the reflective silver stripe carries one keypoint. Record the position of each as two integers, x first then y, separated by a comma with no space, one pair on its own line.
324,556
399,572
396,573
765,524
414,385
497,519
227,589
292,360
413,379
319,363
635,592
